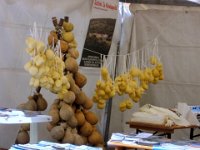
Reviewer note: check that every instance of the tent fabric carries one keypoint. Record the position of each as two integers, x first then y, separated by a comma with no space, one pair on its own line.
178,44
17,17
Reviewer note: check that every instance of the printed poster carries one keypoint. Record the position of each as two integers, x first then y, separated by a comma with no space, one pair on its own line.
100,32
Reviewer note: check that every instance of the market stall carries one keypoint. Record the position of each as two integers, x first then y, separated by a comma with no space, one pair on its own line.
92,64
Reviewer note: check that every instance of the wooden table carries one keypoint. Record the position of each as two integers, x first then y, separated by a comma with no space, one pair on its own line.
160,128
123,146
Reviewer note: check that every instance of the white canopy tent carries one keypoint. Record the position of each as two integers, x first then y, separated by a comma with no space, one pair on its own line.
176,28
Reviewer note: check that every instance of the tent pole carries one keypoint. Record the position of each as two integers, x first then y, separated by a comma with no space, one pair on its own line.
108,108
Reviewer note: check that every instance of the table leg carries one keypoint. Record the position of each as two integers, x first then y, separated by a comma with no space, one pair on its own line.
191,133
33,133
168,135
138,131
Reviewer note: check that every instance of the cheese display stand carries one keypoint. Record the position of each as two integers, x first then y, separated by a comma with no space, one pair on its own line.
54,68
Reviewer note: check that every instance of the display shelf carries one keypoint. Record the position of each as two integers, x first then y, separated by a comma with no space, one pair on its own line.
13,116
24,119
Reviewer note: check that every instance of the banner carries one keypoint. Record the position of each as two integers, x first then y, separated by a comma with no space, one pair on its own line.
100,32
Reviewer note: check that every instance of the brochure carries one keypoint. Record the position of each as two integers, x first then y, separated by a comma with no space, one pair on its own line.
157,142
46,145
